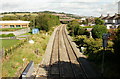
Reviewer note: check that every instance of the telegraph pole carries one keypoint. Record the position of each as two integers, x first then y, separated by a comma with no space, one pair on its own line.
105,40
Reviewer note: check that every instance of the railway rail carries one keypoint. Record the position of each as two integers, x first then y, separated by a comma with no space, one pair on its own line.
63,60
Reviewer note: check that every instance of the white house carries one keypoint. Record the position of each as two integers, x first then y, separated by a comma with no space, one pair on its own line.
111,21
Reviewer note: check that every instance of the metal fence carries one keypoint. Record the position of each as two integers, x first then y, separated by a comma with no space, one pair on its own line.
27,73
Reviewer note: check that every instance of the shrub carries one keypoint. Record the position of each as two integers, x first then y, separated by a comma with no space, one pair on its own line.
98,31
3,35
10,35
7,35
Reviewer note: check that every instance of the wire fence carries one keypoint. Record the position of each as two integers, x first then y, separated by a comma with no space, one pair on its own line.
5,52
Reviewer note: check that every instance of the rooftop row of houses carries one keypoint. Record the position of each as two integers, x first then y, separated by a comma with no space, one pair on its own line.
111,21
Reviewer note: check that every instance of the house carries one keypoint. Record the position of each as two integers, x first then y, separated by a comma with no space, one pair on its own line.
111,21
14,24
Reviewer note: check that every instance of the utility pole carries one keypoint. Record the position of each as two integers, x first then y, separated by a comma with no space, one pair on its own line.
105,40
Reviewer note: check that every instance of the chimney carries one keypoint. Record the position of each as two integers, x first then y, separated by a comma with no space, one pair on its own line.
108,15
116,14
101,15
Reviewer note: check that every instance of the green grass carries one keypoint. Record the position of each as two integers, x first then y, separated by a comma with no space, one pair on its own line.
88,27
14,62
8,43
10,29
25,34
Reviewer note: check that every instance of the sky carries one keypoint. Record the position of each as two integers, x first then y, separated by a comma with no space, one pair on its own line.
78,7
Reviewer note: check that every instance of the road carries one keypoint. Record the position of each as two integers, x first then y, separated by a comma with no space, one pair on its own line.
62,59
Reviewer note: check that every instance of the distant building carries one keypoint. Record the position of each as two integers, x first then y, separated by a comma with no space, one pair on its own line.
111,21
14,24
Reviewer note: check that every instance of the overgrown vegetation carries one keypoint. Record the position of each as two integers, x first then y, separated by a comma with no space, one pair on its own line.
75,29
93,47
13,64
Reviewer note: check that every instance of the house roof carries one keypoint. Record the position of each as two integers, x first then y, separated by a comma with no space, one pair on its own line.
116,16
107,17
14,21
101,17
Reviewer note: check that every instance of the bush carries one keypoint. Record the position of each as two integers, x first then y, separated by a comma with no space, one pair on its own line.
7,35
98,31
10,35
3,35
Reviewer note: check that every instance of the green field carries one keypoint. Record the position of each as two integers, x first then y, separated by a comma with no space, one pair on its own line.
8,43
13,65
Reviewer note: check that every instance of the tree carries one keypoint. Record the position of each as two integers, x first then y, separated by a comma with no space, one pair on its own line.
98,21
78,30
98,31
71,27
46,21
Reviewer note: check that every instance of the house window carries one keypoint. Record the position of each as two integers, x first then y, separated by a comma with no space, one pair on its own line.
0,26
12,26
111,27
17,26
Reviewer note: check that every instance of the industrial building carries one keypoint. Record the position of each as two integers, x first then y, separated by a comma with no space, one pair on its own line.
14,24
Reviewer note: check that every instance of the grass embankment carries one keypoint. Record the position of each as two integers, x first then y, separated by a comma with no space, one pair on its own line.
10,29
14,64
8,43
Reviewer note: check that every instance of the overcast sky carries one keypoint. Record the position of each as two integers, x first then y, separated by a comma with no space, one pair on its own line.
79,7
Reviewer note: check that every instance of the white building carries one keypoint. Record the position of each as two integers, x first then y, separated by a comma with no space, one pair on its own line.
111,21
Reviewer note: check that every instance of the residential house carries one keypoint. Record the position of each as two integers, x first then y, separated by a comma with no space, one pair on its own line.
111,21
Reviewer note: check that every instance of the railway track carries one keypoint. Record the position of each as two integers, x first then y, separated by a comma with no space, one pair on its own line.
63,62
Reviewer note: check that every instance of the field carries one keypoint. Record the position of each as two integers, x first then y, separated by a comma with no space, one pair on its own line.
8,43
14,64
